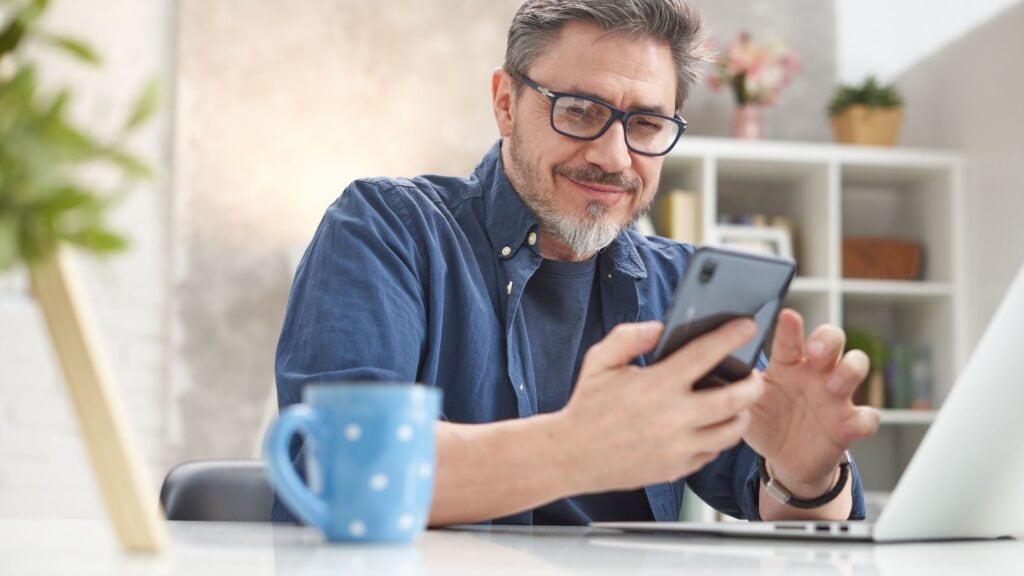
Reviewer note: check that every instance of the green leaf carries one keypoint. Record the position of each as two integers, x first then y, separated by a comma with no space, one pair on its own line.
11,36
145,104
22,21
870,93
65,199
32,11
98,239
132,166
73,47
66,143
8,242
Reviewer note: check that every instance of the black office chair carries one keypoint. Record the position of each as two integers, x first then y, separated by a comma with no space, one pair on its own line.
218,491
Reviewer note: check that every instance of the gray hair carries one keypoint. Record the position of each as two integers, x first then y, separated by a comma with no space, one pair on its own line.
671,21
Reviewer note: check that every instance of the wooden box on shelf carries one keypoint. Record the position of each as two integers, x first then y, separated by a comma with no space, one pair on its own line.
881,258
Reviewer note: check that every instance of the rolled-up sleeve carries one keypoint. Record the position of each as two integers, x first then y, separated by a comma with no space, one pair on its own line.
356,310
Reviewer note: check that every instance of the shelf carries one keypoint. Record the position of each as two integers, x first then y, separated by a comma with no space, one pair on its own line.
898,417
830,192
869,157
896,288
809,285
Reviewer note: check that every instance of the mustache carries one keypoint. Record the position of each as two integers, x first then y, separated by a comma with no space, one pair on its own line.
590,174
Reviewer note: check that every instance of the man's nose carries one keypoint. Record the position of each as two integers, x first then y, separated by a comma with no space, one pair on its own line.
609,152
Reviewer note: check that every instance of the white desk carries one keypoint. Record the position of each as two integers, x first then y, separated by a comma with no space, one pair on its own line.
83,548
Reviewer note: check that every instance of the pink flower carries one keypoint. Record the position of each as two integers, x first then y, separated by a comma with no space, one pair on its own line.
756,72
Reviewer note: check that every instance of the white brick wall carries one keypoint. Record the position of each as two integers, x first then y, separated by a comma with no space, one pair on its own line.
44,469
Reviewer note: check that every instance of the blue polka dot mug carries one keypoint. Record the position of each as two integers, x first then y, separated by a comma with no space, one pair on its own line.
369,458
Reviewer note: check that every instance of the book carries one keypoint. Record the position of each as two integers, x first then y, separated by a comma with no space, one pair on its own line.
678,215
909,376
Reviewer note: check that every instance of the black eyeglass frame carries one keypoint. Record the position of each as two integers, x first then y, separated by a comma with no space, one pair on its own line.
617,114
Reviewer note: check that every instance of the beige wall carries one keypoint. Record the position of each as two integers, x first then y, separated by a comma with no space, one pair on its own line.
281,105
967,97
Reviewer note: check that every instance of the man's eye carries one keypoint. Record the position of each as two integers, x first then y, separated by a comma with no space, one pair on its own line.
647,125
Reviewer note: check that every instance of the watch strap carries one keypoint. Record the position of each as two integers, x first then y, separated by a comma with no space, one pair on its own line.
783,495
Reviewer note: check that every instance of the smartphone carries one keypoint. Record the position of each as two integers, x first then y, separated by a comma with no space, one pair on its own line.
720,285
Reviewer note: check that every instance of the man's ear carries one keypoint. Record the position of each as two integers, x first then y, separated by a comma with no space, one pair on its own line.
502,96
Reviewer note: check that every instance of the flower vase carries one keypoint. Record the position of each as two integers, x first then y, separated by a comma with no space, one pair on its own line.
746,122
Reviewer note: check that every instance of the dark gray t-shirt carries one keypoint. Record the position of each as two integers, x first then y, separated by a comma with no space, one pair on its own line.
562,306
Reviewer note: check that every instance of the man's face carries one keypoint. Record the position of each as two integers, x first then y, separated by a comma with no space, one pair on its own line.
584,192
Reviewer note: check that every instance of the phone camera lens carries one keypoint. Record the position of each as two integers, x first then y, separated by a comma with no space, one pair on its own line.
707,271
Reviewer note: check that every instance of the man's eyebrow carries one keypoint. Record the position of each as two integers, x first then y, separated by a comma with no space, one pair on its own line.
641,108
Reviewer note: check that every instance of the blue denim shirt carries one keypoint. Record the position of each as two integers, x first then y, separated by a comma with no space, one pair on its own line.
421,280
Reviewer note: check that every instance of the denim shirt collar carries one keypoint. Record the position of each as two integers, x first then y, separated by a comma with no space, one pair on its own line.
509,221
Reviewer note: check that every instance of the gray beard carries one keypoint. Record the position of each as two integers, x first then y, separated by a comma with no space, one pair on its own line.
585,235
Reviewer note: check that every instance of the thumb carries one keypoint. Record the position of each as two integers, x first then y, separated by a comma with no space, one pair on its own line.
624,343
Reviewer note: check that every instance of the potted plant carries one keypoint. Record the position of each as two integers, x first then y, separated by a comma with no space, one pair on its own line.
872,389
45,205
868,113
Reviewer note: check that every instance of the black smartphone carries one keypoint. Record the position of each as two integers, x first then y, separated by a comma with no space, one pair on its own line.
720,285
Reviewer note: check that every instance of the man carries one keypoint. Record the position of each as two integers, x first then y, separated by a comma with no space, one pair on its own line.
522,292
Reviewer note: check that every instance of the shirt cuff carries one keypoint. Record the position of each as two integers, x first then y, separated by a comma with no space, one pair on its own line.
750,489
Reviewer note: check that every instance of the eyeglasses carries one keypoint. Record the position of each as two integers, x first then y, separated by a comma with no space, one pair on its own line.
586,118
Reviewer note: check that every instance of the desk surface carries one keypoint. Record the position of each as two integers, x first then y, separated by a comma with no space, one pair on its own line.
81,547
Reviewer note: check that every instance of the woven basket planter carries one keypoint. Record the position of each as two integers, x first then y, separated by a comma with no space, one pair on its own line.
868,126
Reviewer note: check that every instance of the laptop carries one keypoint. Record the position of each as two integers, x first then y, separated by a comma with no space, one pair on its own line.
965,479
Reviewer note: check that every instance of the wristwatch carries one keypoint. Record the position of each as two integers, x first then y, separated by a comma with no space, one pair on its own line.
780,493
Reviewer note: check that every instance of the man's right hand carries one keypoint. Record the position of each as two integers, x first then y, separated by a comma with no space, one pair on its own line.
627,426
624,427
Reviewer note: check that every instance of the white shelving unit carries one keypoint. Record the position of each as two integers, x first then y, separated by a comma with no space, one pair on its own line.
830,191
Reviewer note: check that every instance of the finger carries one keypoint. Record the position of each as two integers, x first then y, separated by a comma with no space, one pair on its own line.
698,357
624,343
724,435
849,373
824,346
862,424
717,405
788,343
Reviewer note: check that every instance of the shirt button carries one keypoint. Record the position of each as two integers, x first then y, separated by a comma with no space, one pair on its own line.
532,238
506,251
521,387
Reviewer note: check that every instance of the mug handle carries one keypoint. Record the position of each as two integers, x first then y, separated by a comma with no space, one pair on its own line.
301,500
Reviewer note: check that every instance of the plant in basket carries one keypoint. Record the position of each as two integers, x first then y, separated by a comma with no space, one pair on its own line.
867,113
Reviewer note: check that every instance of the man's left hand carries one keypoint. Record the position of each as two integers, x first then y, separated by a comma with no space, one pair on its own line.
806,417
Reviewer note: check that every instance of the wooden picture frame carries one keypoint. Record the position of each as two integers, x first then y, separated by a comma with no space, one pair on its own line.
771,240
120,474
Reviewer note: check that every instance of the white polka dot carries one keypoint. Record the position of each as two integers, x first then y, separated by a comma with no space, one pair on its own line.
426,470
378,482
353,432
356,529
404,432
406,521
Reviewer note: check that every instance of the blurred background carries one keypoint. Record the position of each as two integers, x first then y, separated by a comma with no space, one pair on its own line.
271,108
